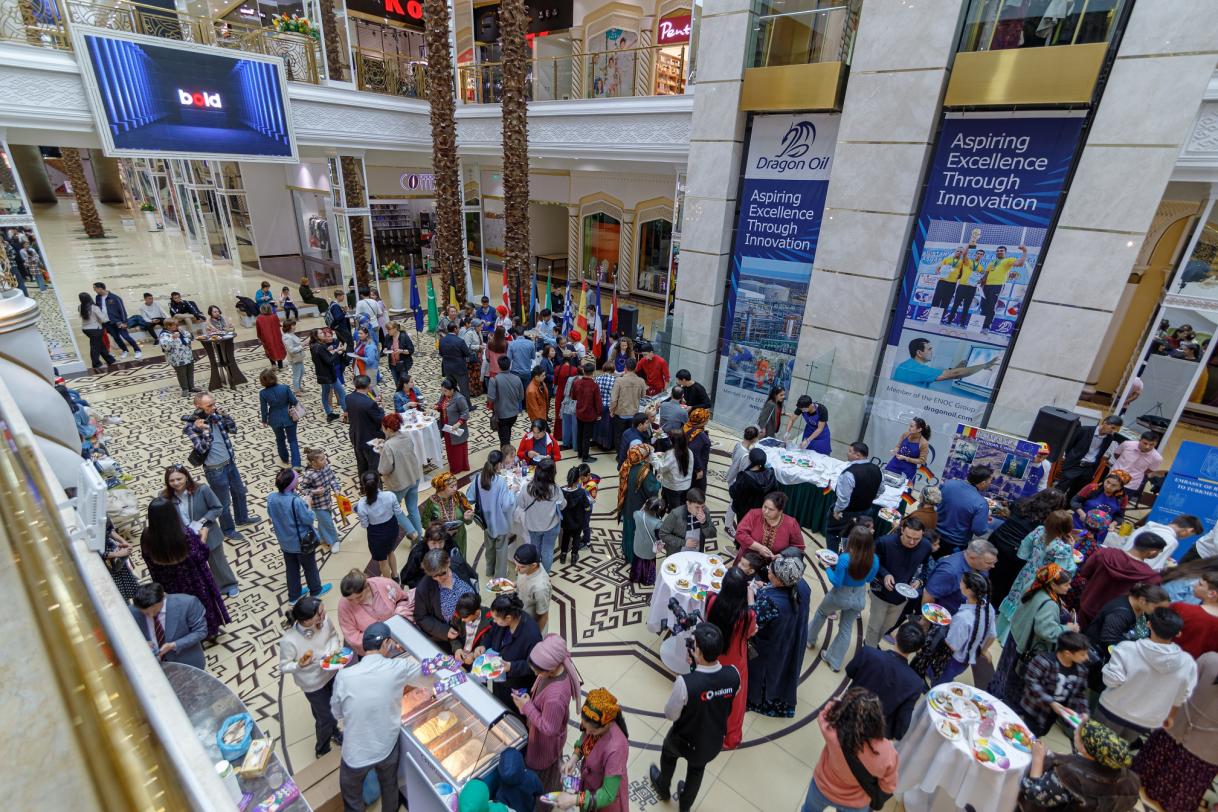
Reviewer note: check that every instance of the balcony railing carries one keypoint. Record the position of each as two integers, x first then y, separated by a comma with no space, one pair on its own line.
806,37
44,23
656,70
393,74
993,25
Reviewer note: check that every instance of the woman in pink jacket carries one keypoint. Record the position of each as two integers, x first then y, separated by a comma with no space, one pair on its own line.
546,709
369,600
853,727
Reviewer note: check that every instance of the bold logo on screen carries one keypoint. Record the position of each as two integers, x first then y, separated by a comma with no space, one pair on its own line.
200,99
795,144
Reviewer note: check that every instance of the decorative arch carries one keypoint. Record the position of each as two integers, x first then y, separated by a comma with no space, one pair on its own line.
655,211
605,209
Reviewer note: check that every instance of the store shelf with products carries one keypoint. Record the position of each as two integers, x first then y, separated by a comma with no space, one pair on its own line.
670,73
450,739
401,231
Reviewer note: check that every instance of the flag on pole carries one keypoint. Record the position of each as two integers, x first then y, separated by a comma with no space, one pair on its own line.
567,316
415,304
548,300
433,316
452,297
613,315
581,318
469,282
599,328
533,297
507,292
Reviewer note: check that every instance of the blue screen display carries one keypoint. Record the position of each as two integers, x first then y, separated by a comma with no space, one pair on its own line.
164,99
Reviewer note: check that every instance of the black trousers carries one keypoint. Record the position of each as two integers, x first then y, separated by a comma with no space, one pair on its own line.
583,441
962,299
97,349
366,459
351,783
669,754
620,424
323,719
570,540
505,429
673,499
943,294
833,532
989,303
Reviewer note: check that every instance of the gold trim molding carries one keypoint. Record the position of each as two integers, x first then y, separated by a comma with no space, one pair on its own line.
818,86
1063,74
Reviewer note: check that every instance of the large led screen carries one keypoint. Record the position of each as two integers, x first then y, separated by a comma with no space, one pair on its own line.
155,97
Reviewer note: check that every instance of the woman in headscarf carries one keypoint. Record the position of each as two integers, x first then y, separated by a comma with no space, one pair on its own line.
605,750
448,504
1108,495
1177,766
636,484
1027,514
699,444
1097,776
782,633
1051,542
1037,623
545,708
752,484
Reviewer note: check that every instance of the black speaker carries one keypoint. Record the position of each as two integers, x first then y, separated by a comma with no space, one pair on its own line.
1054,426
628,321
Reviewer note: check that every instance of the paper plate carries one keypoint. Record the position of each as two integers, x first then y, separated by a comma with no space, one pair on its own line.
906,591
949,729
936,614
827,556
500,585
490,668
338,660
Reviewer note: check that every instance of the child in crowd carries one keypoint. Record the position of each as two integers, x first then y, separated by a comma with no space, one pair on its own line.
1147,680
471,623
318,483
576,514
972,629
646,541
1055,683
289,307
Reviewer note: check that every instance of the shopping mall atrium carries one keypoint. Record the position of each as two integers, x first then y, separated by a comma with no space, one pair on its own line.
865,454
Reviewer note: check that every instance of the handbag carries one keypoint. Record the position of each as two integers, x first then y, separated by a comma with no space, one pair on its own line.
479,518
869,783
297,412
309,541
196,457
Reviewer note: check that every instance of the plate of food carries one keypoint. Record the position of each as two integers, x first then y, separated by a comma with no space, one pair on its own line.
684,584
985,708
949,729
670,568
960,691
990,755
716,585
827,557
487,666
936,614
498,585
906,591
1077,554
714,561
718,572
338,660
1019,736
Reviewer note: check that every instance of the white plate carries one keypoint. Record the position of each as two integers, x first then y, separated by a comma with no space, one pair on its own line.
828,556
906,591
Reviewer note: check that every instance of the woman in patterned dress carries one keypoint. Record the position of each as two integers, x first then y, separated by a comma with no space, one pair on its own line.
177,560
1051,542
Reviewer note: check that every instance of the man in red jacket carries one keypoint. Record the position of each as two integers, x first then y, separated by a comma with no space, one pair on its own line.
1110,572
653,369
587,397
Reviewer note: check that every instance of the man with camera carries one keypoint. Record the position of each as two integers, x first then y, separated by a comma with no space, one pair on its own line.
699,706
210,431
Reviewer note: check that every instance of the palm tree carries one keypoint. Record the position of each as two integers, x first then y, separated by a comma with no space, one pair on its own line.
513,24
75,171
446,242
335,64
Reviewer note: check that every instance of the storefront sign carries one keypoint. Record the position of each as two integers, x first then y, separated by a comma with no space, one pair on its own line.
994,188
545,16
1191,488
782,199
674,30
418,181
409,12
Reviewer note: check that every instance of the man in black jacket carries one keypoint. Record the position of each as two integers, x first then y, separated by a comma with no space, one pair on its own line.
116,324
364,417
699,707
857,487
1084,453
327,358
887,674
455,359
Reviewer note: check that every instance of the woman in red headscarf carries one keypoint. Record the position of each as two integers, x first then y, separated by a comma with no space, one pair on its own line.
545,708
1037,623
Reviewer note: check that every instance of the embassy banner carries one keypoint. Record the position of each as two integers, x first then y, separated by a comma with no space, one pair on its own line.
994,187
782,199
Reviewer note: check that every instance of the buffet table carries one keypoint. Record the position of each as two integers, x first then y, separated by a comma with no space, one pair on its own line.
940,770
424,430
208,702
675,579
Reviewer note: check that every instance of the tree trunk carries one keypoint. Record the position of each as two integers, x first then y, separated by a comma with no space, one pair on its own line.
75,170
336,66
513,24
359,253
446,241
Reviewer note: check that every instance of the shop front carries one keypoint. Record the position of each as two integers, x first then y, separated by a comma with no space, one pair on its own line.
387,47
403,206
480,74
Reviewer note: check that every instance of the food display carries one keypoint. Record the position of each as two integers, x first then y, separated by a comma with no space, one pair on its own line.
946,703
413,699
936,614
1019,736
500,585
461,761
434,727
337,660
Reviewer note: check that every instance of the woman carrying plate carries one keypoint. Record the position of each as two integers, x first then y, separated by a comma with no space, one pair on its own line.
603,750
309,638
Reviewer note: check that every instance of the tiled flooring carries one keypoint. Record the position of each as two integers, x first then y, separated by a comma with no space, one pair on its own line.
598,613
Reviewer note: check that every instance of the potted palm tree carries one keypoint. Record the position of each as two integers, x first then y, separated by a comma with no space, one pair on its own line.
395,274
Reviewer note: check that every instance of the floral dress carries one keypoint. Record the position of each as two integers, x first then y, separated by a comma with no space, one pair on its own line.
1036,553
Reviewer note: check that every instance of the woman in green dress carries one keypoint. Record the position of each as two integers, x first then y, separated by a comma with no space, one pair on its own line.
636,484
448,504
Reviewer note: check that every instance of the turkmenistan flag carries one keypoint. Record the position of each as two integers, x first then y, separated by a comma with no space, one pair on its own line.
433,316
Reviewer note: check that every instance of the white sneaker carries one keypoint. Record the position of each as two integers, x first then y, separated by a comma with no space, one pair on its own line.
138,355
335,547
122,356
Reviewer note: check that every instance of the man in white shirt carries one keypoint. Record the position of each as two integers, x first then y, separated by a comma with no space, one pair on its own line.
368,700
532,584
1181,527
150,318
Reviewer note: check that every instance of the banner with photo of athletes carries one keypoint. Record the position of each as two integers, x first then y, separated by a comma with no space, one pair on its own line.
993,190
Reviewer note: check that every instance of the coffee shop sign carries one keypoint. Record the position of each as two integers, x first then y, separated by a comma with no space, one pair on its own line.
414,181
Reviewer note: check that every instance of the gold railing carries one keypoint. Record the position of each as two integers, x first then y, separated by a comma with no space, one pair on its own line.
42,23
654,70
393,74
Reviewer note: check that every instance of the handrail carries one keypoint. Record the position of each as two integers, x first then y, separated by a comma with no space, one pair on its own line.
807,41
389,73
808,11
985,32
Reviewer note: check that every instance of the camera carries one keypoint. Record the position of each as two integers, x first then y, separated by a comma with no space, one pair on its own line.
684,621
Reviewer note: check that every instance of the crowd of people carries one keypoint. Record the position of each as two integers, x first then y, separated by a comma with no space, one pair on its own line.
1087,623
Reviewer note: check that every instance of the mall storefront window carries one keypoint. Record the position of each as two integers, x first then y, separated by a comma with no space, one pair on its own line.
993,25
602,245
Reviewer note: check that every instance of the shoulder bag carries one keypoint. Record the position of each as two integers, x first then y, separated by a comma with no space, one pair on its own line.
308,540
479,516
296,412
869,783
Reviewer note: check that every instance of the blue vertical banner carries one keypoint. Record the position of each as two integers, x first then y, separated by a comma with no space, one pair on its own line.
994,187
1190,488
782,200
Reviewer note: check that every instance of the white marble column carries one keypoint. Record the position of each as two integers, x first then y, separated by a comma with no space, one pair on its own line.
889,116
716,142
1145,117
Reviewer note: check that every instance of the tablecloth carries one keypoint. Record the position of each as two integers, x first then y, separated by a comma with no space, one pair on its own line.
939,774
658,614
426,437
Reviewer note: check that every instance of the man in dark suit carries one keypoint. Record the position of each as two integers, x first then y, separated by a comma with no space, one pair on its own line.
1085,452
455,359
887,674
116,315
174,625
363,418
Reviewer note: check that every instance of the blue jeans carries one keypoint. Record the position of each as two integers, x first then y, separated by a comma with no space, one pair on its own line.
848,602
411,497
817,802
544,541
337,388
119,334
285,438
225,480
568,431
297,375
325,527
140,323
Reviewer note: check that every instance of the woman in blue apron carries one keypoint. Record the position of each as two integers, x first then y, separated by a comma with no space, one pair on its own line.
911,450
816,424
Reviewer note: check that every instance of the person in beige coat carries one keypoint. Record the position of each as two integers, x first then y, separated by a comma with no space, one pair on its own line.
624,401
401,471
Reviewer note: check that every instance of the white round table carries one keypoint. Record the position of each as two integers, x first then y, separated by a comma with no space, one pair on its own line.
938,773
426,436
685,562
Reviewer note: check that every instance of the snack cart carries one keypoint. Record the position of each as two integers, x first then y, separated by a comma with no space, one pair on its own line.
449,739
